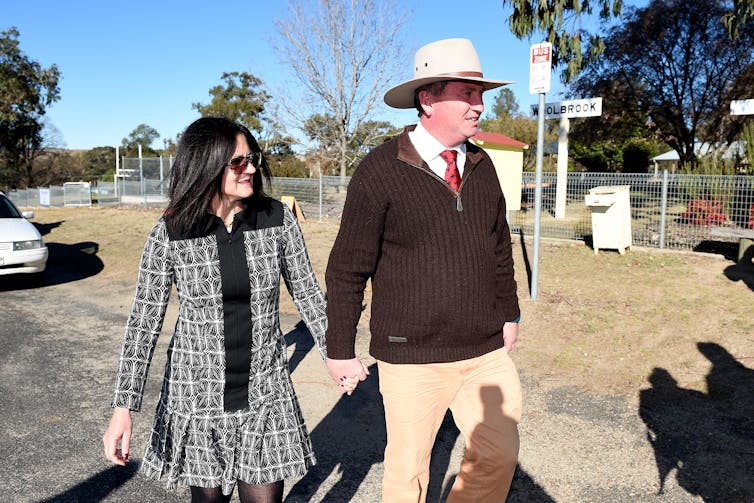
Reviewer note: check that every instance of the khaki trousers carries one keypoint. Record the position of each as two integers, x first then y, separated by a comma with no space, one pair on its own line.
484,395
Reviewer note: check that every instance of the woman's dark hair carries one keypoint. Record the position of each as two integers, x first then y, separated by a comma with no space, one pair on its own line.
204,148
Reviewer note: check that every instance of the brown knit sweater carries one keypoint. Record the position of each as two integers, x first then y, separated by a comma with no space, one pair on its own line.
440,263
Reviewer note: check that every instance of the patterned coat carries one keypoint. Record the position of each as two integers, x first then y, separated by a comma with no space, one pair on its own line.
273,443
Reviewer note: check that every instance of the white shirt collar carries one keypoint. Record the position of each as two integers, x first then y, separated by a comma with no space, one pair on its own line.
429,148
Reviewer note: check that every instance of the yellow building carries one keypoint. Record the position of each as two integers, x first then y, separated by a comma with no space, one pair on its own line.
507,155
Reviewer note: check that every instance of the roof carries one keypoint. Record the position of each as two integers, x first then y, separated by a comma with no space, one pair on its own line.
700,148
497,139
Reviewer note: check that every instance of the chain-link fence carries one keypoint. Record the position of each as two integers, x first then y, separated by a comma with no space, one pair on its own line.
681,211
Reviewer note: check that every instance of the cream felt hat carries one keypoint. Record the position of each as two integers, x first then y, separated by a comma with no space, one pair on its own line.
449,59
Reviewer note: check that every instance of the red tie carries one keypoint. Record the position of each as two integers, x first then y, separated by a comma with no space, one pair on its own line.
452,175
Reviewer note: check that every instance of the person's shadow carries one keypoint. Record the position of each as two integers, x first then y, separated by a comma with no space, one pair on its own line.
302,341
707,438
523,488
352,438
347,442
743,270
98,486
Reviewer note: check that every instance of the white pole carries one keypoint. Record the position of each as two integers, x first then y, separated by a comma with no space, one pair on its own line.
562,175
538,195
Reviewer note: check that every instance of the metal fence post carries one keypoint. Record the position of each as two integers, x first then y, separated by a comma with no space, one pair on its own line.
320,195
162,177
663,207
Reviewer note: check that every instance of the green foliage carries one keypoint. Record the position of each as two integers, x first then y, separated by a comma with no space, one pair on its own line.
324,131
636,155
508,121
241,99
668,74
602,157
505,104
747,136
739,17
560,23
288,166
281,158
98,162
143,135
26,90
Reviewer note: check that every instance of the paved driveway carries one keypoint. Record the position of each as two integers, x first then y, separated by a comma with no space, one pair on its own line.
59,351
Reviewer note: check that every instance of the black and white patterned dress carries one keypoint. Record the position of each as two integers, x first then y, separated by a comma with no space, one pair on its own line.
196,438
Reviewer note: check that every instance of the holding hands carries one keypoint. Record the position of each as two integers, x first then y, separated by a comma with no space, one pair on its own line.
347,373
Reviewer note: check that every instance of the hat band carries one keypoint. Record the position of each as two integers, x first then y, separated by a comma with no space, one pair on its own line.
463,74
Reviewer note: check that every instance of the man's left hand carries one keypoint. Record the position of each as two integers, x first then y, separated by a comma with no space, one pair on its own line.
510,334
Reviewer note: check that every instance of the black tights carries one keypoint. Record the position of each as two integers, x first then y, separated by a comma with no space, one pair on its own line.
247,493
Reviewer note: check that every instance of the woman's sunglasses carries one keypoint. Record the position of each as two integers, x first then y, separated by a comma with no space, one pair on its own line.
239,164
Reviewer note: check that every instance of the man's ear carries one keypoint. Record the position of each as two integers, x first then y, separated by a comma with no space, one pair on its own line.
425,100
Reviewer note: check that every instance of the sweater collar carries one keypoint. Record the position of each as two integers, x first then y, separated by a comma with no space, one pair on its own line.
408,154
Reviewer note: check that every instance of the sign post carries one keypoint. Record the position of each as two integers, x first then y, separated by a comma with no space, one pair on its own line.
742,107
540,73
564,110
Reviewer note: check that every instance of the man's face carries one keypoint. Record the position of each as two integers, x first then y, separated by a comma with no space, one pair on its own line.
453,116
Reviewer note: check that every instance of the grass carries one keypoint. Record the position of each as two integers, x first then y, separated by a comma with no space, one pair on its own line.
602,321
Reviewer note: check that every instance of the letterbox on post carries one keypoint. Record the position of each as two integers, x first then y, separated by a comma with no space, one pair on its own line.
611,217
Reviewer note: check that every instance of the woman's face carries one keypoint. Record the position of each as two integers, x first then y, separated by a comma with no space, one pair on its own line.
237,182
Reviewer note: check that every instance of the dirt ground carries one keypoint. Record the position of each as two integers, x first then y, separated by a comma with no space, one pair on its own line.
602,321
667,337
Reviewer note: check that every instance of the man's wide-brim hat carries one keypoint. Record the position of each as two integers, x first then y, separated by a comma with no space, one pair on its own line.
449,59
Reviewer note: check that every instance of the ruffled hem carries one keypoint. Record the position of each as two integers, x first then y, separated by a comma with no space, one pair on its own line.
265,446
150,469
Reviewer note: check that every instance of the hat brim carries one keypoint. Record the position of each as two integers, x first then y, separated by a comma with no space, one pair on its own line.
402,95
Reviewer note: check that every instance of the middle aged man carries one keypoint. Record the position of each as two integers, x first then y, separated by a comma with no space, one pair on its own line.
424,219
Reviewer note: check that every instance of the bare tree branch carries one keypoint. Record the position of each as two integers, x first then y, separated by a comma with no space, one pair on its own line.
345,54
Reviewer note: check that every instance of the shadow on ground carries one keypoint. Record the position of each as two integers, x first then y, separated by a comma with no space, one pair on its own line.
351,438
97,487
743,270
706,438
65,264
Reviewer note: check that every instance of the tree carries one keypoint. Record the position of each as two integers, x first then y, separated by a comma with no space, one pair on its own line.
674,63
620,140
739,15
143,135
325,130
242,99
344,53
98,162
26,90
560,21
509,121
505,104
281,158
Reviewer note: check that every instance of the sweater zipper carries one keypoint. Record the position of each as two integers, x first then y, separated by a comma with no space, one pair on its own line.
456,195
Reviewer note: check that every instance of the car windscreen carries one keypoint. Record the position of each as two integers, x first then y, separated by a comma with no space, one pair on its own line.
7,209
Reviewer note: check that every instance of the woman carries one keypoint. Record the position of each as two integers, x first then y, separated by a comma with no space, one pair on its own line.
227,412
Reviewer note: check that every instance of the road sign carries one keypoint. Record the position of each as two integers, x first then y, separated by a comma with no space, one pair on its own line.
589,107
742,107
540,69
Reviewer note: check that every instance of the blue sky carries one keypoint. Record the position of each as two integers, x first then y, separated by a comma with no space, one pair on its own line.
128,63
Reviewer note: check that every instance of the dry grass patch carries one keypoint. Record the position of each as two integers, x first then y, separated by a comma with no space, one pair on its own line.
602,322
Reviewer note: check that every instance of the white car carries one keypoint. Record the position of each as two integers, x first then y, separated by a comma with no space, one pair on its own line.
21,247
